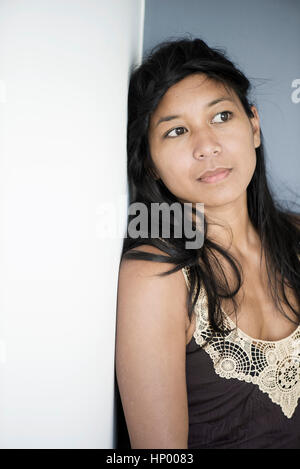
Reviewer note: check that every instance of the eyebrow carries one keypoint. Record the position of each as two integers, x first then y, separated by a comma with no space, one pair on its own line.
210,104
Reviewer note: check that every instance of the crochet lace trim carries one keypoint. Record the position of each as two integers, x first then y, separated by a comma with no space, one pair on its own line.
274,366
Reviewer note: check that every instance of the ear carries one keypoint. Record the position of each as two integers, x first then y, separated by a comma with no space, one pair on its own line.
255,127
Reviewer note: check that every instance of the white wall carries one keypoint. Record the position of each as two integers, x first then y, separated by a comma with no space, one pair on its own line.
63,92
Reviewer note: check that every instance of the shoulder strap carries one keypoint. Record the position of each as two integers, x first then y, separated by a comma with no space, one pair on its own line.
185,271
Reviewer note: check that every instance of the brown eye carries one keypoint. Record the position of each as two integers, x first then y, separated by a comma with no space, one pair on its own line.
176,132
225,116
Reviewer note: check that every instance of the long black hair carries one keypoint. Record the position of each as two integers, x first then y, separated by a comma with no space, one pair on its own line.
277,226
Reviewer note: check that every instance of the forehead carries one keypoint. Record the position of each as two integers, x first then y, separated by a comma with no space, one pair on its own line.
196,86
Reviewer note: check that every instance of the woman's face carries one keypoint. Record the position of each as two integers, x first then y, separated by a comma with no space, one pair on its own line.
200,126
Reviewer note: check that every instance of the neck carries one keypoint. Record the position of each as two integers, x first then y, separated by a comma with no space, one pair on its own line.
230,227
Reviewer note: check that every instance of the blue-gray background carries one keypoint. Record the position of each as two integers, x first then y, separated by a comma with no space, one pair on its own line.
262,37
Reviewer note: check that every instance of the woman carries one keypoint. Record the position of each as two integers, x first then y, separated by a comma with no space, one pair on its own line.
207,355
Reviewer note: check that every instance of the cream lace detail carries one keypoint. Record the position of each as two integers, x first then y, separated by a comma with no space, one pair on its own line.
273,365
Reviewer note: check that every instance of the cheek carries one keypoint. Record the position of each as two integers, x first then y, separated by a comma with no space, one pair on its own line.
176,178
241,152
251,165
173,167
243,161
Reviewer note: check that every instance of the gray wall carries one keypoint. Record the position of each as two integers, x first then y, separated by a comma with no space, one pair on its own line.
263,38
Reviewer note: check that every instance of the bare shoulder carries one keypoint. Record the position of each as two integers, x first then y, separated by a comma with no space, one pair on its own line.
132,269
140,281
165,296
150,352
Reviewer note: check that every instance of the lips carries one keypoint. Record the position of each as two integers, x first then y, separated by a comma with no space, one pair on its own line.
214,176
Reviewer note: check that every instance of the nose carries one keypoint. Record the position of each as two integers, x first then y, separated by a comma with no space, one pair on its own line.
206,146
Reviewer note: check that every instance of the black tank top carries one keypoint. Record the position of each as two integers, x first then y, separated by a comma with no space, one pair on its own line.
244,396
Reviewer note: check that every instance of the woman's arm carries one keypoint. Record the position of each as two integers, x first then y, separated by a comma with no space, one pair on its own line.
150,353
